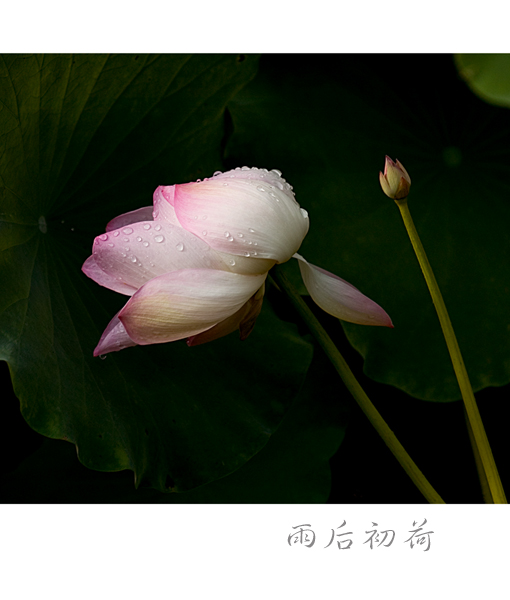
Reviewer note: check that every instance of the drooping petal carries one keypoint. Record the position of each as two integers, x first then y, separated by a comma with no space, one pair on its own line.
243,320
126,258
114,338
245,212
135,216
184,303
339,298
163,204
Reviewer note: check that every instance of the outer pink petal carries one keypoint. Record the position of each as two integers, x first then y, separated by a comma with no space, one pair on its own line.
114,338
126,258
243,320
184,303
141,214
339,298
250,213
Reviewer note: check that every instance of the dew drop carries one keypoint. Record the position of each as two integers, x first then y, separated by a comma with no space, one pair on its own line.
247,254
245,168
230,239
152,264
123,255
225,184
145,244
138,239
116,233
102,356
251,230
104,237
195,217
216,173
96,242
304,213
204,232
276,172
157,227
133,259
127,230
180,247
146,226
111,245
126,248
227,234
126,239
159,239
254,254
261,189
255,244
232,262
241,235
204,217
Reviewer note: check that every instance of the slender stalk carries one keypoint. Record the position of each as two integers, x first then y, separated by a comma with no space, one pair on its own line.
483,448
356,390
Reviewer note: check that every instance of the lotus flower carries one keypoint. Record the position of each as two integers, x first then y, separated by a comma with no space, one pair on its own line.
194,264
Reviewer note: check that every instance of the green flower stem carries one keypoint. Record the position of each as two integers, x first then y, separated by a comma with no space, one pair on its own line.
481,448
355,388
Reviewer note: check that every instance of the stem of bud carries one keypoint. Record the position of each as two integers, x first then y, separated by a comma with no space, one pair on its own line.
481,446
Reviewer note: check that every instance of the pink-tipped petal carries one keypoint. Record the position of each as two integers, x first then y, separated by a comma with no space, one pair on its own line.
184,303
250,213
339,298
126,258
135,216
114,338
94,271
243,320
163,204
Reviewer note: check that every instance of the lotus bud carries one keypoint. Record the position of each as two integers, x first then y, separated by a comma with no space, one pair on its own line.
395,181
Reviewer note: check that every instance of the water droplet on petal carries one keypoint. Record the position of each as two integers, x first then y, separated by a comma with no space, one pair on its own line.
195,217
247,254
116,233
251,230
138,239
254,254
111,245
180,246
232,262
146,226
157,227
216,173
276,172
245,168
133,259
102,356
225,184
104,237
304,213
126,239
145,244
204,232
261,189
230,239
241,235
127,230
123,255
159,239
227,234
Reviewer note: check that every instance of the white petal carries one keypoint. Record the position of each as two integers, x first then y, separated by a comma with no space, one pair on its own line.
339,298
244,214
184,303
132,255
163,201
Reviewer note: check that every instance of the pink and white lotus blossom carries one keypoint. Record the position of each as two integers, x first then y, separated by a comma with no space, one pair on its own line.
195,262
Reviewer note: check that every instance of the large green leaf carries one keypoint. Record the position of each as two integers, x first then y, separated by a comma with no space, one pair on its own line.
83,139
327,122
293,467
